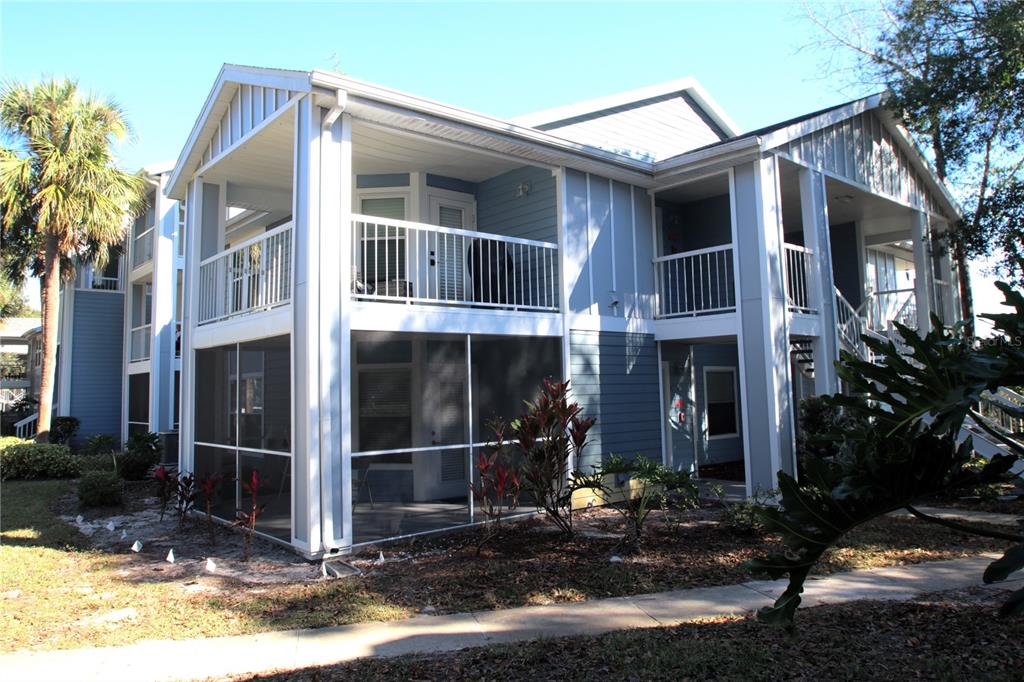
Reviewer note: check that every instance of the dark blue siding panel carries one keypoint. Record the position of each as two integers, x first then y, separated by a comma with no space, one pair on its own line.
503,209
453,184
615,380
96,361
382,180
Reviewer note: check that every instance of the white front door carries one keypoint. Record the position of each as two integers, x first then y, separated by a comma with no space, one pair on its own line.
447,253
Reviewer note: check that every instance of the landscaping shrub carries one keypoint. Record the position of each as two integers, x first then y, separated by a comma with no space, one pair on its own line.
7,441
145,441
142,453
29,460
134,465
100,489
548,437
62,429
747,517
105,461
101,443
654,482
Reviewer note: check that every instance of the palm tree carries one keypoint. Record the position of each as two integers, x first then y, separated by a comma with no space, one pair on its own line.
62,194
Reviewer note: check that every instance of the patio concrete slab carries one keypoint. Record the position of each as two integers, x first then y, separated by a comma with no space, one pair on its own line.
289,650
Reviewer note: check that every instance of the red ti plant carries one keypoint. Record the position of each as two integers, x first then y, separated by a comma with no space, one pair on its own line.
166,486
496,490
186,497
208,485
551,436
247,519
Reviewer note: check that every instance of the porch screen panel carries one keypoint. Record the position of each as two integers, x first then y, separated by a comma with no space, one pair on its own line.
215,395
506,372
383,254
265,395
385,409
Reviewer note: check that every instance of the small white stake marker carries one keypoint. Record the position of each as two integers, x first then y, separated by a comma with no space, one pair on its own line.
137,547
211,566
170,557
110,526
124,534
380,559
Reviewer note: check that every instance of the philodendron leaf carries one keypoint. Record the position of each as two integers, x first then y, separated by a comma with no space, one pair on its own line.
1014,606
1001,568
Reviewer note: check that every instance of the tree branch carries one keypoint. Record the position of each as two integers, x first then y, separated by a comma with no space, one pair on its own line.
974,530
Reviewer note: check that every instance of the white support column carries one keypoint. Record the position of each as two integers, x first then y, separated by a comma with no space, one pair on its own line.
161,353
305,340
335,331
922,272
949,310
193,227
814,212
764,336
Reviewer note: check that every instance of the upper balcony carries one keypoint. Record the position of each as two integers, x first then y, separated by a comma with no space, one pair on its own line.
434,230
398,261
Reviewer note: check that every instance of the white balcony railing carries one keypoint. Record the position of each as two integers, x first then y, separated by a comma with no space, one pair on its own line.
140,340
253,276
142,248
798,267
407,262
700,282
106,283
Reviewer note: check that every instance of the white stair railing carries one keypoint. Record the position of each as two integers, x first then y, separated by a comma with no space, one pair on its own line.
26,428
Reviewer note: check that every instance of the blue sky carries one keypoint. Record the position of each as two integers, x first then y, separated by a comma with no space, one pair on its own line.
158,60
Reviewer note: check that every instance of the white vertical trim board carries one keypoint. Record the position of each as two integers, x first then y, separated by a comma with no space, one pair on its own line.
744,401
590,256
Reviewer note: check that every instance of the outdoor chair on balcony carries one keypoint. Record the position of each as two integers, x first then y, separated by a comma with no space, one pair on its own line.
491,271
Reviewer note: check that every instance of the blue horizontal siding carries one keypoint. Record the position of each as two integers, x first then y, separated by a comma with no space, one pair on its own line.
96,362
615,380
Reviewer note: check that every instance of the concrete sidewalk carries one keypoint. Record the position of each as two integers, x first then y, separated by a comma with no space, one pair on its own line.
289,650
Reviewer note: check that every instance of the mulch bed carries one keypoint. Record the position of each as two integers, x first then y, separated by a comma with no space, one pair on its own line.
530,564
950,635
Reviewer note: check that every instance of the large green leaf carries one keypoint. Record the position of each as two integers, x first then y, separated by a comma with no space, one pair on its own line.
896,444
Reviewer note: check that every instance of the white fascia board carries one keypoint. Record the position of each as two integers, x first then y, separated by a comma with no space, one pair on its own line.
713,109
780,137
597,104
230,75
413,103
688,85
719,153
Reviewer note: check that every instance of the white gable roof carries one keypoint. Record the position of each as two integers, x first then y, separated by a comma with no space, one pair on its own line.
650,124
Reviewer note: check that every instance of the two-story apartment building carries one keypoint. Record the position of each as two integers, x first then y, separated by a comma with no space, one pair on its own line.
155,261
372,277
118,341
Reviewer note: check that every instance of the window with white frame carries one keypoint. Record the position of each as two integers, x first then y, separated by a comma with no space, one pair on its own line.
720,405
382,261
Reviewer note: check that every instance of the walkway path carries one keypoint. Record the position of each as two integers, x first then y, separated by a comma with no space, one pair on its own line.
222,656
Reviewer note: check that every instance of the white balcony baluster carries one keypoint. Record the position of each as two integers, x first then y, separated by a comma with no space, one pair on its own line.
250,277
699,282
407,262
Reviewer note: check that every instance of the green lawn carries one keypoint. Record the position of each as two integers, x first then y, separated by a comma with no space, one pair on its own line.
54,587
51,584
